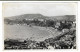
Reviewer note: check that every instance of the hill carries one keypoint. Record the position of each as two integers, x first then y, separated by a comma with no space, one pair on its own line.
40,16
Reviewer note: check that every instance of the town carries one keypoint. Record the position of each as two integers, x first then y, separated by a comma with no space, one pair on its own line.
66,40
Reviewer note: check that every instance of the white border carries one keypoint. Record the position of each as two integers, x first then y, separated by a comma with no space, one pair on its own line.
59,50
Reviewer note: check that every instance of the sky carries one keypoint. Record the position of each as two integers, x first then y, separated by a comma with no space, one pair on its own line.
46,9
